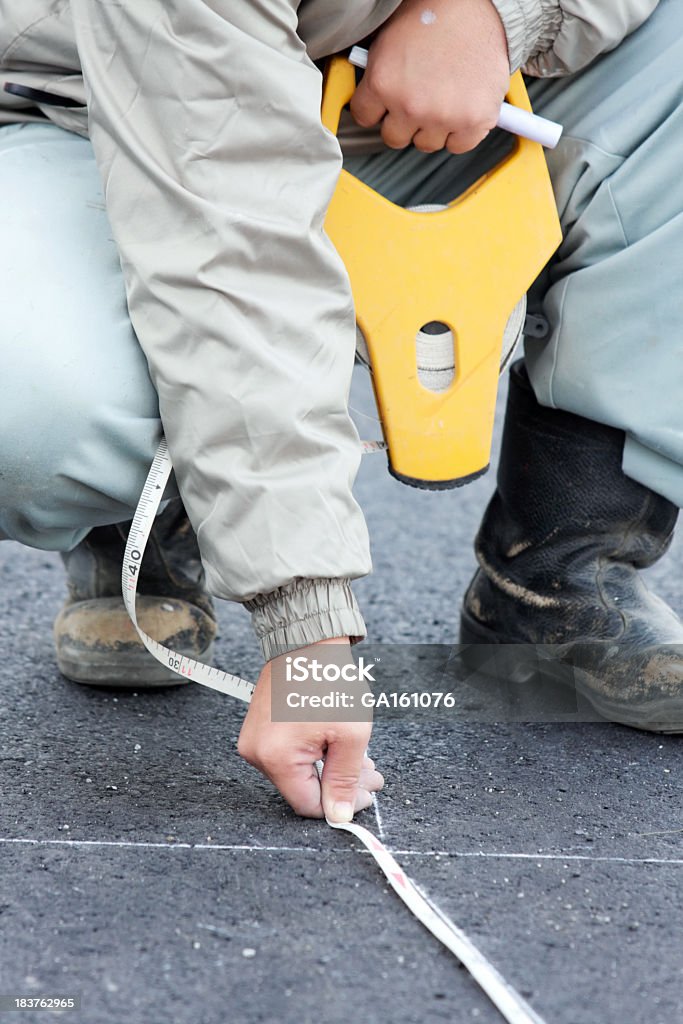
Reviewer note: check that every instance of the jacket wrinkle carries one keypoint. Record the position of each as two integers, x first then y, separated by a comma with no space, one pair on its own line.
237,297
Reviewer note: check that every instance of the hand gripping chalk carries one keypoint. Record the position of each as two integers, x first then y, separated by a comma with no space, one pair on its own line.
511,119
465,268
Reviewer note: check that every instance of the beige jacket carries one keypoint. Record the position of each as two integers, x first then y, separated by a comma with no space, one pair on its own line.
204,117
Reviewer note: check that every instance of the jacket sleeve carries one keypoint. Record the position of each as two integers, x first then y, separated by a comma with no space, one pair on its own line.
557,37
205,120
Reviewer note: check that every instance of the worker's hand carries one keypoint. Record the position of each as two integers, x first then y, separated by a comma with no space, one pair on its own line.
286,752
437,74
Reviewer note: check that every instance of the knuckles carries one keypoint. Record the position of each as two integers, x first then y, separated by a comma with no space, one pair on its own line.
362,116
247,749
304,809
342,784
465,142
429,147
262,755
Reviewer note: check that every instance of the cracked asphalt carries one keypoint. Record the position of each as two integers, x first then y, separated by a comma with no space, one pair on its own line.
146,869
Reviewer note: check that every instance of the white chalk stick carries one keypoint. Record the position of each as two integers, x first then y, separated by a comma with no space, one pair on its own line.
511,119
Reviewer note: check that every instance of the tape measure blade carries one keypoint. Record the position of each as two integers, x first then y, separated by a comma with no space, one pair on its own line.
370,447
511,1004
505,998
143,520
141,527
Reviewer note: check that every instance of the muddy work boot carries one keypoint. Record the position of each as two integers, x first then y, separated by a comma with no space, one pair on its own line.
559,551
95,640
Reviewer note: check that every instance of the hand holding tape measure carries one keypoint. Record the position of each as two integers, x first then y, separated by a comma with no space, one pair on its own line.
511,119
509,1002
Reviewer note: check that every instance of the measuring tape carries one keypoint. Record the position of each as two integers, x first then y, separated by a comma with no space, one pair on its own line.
509,1002
141,527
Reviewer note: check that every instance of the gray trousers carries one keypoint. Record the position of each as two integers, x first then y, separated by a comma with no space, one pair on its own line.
79,418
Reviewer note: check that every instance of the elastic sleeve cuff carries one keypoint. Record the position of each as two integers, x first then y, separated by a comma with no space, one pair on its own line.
530,26
304,612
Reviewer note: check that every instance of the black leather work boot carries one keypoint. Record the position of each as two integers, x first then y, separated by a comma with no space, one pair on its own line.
559,548
95,640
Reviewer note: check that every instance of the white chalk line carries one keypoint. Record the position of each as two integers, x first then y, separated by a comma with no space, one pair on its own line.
247,848
378,817
142,844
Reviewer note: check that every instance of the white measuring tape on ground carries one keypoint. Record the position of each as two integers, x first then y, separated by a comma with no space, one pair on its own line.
509,1002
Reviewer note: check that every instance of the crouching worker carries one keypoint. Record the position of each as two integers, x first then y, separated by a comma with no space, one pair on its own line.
165,179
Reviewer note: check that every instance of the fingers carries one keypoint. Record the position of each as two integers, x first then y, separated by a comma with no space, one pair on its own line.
363,801
399,131
367,109
299,785
286,754
344,762
292,771
430,140
290,766
298,782
463,142
371,780
430,87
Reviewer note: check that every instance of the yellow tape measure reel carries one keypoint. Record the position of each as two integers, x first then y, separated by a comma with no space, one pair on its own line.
467,267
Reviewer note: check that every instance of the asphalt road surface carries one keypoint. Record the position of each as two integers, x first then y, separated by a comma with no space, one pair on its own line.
146,869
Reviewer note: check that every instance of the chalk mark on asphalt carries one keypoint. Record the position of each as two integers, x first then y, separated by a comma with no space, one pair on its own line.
378,816
246,848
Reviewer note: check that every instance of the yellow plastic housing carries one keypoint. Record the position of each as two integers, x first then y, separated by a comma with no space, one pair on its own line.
466,266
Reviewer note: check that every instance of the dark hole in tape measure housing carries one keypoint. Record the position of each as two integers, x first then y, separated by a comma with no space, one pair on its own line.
435,327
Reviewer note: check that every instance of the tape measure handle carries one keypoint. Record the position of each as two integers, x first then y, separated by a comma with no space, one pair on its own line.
338,88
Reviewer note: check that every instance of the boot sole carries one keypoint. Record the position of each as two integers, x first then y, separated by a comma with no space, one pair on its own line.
96,643
131,670
539,663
